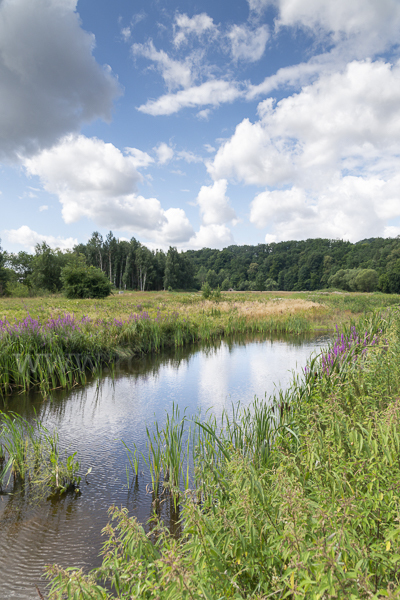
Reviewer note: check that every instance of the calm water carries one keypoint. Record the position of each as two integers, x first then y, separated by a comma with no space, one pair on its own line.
93,420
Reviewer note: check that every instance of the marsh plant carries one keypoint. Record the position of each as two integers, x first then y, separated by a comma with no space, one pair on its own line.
292,498
30,456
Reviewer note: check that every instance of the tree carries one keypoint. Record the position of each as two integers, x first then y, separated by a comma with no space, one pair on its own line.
270,285
367,280
83,281
95,250
3,272
212,279
144,265
172,265
47,265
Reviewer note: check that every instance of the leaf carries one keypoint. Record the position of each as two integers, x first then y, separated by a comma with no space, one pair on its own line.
388,545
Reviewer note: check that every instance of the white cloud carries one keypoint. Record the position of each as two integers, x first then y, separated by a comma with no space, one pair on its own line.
332,150
247,43
344,120
214,204
196,26
139,158
96,180
175,73
348,208
204,114
164,153
43,207
177,228
377,21
50,81
28,238
126,33
258,5
188,156
209,148
213,92
211,236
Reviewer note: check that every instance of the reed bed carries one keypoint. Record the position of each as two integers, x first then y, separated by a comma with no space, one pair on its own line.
292,498
61,351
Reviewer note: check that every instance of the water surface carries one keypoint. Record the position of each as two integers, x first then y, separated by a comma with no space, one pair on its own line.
93,420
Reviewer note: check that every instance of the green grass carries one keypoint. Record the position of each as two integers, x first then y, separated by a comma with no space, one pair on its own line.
296,499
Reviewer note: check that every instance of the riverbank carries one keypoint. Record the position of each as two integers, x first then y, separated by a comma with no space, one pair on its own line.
53,342
298,499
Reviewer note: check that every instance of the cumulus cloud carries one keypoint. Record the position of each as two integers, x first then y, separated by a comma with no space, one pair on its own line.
342,120
96,180
331,152
349,208
176,230
28,238
175,73
211,236
197,26
214,204
248,43
213,92
50,81
164,153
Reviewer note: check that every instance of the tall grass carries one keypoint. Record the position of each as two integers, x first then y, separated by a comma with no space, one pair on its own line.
65,351
293,499
30,457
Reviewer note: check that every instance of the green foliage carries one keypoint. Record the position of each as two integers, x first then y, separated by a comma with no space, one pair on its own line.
270,285
15,289
46,268
206,291
82,281
226,285
362,280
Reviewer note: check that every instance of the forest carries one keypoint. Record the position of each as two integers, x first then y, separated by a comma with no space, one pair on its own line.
314,264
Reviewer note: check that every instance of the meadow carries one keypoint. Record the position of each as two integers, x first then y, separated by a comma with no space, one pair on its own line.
296,498
53,342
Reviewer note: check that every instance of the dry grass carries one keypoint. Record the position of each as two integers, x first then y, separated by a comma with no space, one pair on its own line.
272,307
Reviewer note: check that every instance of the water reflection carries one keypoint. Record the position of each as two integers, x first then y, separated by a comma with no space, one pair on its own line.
93,420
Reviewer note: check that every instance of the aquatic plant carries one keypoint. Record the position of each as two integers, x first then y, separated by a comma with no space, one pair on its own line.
30,456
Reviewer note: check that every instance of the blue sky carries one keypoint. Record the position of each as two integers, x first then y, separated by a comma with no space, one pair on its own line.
198,124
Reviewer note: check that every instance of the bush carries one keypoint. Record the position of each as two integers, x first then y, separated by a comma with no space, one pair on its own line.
206,290
82,281
15,289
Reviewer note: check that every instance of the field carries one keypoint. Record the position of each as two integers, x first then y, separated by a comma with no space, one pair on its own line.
53,342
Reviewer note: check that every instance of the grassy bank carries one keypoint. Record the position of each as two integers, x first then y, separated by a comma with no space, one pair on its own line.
54,342
297,499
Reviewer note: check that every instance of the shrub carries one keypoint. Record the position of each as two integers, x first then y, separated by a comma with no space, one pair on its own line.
206,290
82,281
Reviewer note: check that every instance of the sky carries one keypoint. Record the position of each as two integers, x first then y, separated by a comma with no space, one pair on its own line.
197,123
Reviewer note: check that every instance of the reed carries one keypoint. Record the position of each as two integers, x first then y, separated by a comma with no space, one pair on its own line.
30,456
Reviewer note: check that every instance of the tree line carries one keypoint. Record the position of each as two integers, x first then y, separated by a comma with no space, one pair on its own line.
369,265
